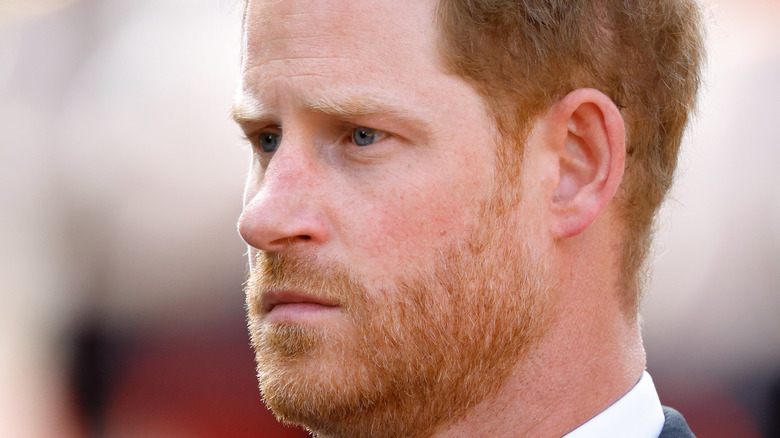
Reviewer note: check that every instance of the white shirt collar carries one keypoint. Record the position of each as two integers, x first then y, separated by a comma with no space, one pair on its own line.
638,415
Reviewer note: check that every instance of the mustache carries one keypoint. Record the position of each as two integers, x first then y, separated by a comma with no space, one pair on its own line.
296,271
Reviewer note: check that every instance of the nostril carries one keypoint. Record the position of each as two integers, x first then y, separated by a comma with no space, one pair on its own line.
287,241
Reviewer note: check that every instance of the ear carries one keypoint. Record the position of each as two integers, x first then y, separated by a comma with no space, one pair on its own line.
586,133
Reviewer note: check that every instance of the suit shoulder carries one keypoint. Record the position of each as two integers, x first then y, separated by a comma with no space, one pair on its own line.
675,425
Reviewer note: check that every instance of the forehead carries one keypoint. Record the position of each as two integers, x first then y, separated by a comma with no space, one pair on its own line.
395,23
347,38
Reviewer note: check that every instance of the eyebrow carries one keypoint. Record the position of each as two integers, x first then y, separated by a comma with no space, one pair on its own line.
249,110
359,105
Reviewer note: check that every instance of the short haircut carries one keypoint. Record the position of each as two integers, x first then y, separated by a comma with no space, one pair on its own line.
524,55
646,55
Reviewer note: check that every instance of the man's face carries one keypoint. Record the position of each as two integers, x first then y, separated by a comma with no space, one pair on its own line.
394,283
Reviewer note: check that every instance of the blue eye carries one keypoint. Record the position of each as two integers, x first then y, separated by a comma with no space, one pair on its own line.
269,142
363,136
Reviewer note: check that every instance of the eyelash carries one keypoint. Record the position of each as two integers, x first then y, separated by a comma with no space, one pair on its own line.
350,129
256,138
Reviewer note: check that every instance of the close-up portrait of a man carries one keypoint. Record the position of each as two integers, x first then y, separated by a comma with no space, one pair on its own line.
450,206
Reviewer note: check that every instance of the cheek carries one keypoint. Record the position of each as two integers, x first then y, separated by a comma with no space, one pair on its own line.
406,229
414,223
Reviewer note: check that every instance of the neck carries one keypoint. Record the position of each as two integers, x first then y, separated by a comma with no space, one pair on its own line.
590,357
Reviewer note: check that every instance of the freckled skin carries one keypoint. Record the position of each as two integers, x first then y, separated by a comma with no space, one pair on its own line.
381,216
460,283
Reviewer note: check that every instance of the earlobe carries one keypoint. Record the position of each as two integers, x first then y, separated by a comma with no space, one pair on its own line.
588,138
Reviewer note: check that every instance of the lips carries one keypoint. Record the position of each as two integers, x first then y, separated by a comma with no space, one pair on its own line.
274,299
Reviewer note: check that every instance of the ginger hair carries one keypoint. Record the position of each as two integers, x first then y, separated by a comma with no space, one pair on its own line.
524,55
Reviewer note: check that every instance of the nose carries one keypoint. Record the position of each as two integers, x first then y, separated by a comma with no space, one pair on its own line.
281,207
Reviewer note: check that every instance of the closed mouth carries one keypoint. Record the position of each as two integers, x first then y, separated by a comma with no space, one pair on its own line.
283,297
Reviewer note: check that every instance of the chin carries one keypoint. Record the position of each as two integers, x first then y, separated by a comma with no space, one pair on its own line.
410,359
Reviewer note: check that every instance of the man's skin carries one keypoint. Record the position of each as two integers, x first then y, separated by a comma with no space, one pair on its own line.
317,70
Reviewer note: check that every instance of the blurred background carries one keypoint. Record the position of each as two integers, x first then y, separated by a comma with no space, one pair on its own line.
121,309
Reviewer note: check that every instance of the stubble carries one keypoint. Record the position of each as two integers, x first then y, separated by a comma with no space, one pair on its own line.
416,356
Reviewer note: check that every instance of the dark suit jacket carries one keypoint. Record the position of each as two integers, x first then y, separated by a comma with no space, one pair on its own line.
675,425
